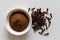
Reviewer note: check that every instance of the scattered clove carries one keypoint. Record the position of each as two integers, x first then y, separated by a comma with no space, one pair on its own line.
39,20
46,34
32,9
51,15
47,11
28,9
40,33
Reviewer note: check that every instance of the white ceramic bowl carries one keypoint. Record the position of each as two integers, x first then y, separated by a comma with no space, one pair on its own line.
8,25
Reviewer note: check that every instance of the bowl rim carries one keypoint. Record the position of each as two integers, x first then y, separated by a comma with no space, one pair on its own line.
11,30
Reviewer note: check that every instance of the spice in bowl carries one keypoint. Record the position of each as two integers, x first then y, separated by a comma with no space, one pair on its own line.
18,21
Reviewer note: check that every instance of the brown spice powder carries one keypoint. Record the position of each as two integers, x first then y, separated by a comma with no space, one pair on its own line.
18,21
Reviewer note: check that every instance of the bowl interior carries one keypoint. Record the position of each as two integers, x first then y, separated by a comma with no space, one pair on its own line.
8,25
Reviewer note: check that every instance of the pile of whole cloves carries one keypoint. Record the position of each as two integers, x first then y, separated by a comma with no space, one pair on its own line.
40,21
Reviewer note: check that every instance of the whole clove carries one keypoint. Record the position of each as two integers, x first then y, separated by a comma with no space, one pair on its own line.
46,34
39,20
51,15
47,10
28,9
42,31
32,9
